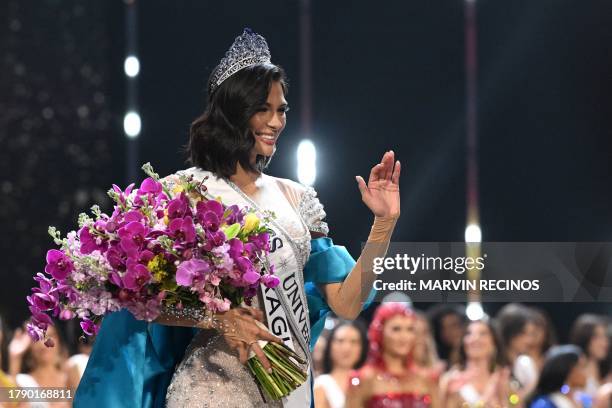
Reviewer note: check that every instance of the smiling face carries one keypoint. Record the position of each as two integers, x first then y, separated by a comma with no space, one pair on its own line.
478,341
399,335
268,122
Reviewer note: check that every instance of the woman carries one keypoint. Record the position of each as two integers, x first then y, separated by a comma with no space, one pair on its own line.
544,336
517,329
426,359
230,146
345,351
448,322
589,333
389,379
562,375
36,365
480,380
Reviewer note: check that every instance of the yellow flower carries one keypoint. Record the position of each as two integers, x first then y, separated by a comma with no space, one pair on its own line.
251,221
177,189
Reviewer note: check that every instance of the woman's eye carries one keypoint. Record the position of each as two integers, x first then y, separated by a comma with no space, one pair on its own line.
284,110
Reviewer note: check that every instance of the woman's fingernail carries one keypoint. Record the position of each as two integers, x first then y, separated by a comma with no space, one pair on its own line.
269,371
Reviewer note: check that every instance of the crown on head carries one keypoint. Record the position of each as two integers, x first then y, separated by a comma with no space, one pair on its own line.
248,49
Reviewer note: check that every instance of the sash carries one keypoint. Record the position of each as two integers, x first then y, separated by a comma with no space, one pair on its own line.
285,305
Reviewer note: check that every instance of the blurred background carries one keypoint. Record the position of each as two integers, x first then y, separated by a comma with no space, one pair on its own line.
526,85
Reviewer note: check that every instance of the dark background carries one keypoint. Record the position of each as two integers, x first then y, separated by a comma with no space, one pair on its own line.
387,76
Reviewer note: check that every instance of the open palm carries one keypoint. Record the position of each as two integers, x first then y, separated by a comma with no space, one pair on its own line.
381,193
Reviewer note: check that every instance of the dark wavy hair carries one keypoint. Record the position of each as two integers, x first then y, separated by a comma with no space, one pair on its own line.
559,362
220,137
583,331
360,327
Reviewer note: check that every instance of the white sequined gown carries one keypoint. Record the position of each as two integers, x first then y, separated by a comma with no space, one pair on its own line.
210,374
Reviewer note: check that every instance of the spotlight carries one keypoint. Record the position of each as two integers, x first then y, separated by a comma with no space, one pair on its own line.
474,311
131,66
307,166
473,233
131,124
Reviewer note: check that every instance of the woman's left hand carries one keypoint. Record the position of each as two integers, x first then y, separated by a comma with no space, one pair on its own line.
381,193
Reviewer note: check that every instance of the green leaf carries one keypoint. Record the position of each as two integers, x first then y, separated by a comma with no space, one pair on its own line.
232,231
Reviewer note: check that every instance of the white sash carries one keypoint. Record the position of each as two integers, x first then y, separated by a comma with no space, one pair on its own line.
285,306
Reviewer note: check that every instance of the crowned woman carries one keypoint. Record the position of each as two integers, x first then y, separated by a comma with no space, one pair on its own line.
186,360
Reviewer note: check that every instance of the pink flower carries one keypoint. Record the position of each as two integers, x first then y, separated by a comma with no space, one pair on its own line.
58,264
136,276
190,270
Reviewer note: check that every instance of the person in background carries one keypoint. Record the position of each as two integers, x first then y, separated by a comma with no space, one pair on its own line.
544,336
345,351
480,379
448,323
36,365
75,365
389,378
563,373
589,333
426,360
517,330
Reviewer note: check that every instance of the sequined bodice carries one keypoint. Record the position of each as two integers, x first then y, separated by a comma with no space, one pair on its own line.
399,400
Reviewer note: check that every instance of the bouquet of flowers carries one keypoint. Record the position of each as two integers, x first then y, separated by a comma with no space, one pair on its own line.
167,244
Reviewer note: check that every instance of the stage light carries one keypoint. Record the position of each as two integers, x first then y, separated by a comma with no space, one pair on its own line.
131,124
307,162
474,311
473,233
131,66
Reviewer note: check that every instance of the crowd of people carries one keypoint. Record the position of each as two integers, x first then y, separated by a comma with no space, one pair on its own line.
410,359
405,358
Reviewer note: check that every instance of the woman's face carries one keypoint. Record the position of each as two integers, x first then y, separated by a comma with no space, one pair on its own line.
269,121
451,329
478,341
399,336
599,344
345,347
522,343
577,377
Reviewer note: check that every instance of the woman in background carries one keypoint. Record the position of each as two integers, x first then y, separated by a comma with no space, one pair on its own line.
589,333
448,323
426,360
345,351
517,330
563,373
480,379
389,379
544,337
36,365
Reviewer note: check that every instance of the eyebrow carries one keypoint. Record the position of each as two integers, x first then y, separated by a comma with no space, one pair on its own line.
281,105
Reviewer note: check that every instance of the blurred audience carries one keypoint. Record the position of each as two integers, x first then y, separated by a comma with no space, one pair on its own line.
345,350
389,378
36,365
448,323
589,332
563,374
481,379
544,336
426,360
517,331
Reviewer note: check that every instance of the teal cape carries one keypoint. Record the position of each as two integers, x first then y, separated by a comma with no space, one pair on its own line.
132,361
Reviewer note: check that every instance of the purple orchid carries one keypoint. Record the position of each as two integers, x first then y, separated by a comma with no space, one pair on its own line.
59,265
132,238
90,243
190,270
89,327
209,214
136,276
179,207
183,230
